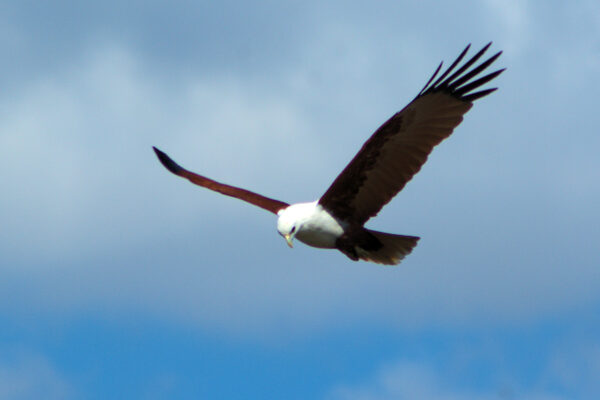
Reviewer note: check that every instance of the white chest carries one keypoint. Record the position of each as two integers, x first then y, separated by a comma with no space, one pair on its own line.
320,229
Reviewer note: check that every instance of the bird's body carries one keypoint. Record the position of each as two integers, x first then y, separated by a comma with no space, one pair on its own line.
381,168
315,226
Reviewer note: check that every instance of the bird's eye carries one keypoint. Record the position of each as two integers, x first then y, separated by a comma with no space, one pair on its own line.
293,229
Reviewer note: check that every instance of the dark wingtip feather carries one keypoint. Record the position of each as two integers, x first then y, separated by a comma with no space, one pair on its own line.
465,89
166,161
451,67
460,84
432,78
477,95
467,76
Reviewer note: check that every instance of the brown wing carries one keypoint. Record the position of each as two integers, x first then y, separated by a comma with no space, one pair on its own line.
398,149
253,198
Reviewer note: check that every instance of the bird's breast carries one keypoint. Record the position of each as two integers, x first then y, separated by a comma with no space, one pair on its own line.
321,230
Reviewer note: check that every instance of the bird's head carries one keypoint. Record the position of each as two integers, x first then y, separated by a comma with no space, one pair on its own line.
288,225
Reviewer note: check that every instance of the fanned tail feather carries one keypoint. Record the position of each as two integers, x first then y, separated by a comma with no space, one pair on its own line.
394,249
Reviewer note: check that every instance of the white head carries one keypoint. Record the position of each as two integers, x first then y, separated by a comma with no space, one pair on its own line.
289,223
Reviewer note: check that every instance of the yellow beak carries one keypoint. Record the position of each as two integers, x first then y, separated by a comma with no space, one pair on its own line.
288,239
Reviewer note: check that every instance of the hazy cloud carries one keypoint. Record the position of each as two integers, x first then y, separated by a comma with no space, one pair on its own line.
29,377
566,376
92,221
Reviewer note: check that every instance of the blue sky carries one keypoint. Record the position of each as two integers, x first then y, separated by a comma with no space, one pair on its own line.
119,280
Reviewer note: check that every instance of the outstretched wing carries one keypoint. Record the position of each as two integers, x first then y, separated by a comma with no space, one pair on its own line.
398,149
253,198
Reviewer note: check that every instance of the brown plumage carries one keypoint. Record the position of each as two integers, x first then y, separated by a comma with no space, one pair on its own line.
253,198
382,167
400,147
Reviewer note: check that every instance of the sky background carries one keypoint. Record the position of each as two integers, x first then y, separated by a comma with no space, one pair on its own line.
119,280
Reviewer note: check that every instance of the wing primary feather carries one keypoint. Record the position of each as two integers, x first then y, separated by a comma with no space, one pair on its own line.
477,95
258,200
431,79
466,65
463,90
456,85
454,64
167,162
474,72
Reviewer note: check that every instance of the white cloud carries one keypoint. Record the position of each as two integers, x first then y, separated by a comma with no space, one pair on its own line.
575,369
83,191
513,23
29,377
404,381
407,380
77,147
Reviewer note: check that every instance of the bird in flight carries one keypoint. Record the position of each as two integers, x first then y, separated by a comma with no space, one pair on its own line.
381,168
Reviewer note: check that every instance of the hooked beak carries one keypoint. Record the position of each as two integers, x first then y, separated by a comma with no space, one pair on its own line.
288,239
